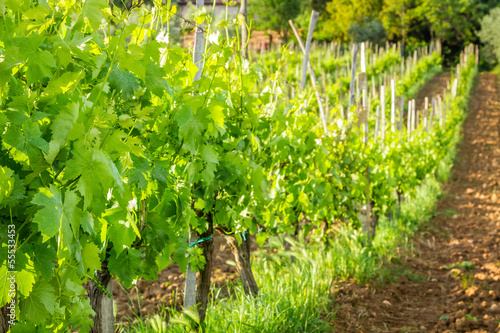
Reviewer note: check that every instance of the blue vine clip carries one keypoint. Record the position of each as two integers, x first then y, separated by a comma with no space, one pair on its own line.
201,240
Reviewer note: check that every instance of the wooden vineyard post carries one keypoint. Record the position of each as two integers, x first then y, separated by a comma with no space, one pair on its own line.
401,112
244,29
327,107
414,115
440,108
393,105
445,107
382,116
323,82
417,119
367,224
363,85
426,115
409,119
352,86
433,112
401,108
477,55
312,24
377,123
190,287
374,92
393,121
314,19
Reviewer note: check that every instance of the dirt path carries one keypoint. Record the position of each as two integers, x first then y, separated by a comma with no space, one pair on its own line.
465,233
434,87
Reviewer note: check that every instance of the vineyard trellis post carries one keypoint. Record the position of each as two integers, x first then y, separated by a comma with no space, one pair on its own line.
401,112
382,116
352,100
312,25
433,111
190,286
426,115
367,222
311,70
244,29
393,105
408,120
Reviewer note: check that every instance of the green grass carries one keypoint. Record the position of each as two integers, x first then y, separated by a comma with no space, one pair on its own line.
450,212
496,70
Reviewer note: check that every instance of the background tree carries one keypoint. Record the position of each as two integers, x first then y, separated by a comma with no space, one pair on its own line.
274,15
371,30
343,13
455,22
490,36
302,20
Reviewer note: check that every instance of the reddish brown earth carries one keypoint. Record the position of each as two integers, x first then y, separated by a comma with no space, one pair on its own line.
433,88
439,298
148,296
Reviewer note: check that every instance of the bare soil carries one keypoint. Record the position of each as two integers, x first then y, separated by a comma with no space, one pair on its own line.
455,280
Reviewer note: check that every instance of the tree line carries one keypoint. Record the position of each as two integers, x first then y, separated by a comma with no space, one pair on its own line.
414,22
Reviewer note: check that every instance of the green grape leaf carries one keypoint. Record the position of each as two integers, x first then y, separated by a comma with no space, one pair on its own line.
189,128
64,121
120,229
97,171
124,82
6,182
163,260
40,65
34,137
25,327
138,175
44,260
90,257
87,223
126,265
25,281
218,117
37,13
65,83
209,155
92,10
130,61
154,79
39,305
61,127
81,312
5,282
55,214
208,174
180,256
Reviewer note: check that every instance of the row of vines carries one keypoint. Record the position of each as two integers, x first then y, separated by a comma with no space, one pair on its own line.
121,155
